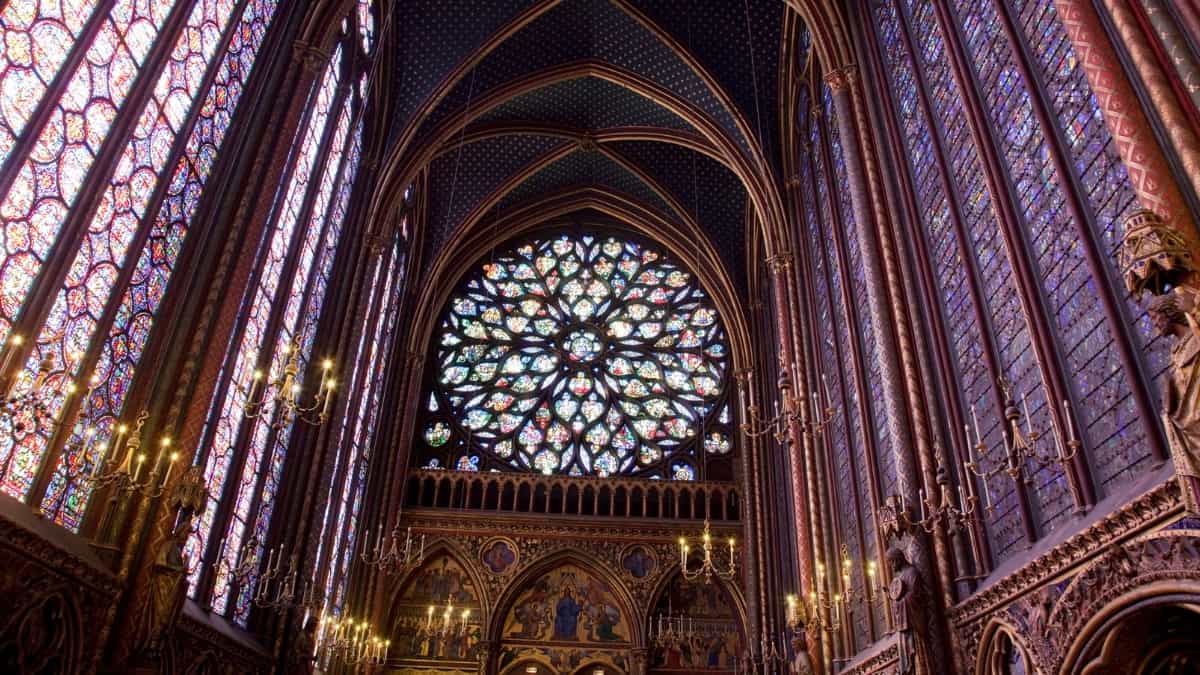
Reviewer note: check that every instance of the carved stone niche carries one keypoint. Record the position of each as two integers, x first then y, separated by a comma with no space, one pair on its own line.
56,598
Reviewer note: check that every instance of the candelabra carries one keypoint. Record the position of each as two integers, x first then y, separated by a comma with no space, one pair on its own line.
33,398
943,511
285,391
272,586
825,608
1022,447
349,643
448,627
755,425
388,556
708,567
127,475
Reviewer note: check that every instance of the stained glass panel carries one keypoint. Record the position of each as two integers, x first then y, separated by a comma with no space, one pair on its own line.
37,35
45,184
951,267
223,434
139,302
578,355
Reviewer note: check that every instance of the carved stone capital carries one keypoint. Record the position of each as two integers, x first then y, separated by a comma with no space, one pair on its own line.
780,262
840,79
311,57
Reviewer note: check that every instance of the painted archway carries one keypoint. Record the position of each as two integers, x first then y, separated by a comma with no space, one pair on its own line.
566,614
437,615
695,627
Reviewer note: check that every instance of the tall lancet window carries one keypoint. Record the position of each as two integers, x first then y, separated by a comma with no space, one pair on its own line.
110,117
339,536
581,355
1020,198
243,454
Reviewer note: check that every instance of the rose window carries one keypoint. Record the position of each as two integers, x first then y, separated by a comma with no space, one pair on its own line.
581,355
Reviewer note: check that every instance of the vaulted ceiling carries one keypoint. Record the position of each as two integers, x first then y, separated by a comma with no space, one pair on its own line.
672,105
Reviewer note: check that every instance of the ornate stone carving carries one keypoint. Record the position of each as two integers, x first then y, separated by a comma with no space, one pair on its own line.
840,79
1155,258
1049,600
910,599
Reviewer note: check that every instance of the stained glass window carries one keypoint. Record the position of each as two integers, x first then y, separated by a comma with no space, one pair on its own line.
582,355
974,262
293,274
118,261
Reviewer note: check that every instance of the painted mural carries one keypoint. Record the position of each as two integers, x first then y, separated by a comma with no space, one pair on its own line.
437,619
694,628
567,618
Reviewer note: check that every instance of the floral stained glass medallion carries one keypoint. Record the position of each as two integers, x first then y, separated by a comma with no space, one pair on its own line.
580,355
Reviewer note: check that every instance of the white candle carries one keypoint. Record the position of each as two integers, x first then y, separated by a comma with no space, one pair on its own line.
975,418
1069,421
921,495
1028,419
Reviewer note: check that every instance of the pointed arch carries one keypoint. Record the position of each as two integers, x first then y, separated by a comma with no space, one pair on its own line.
506,599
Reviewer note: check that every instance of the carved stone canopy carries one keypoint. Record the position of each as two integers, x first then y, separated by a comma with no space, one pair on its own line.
1154,257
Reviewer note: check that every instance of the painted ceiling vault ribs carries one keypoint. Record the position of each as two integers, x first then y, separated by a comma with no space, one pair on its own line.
457,185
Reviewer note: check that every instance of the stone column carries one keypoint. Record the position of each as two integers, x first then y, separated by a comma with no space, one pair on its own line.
1145,161
908,471
780,268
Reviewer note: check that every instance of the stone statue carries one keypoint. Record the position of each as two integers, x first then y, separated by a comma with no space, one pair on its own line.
1156,258
1181,392
908,595
167,585
802,663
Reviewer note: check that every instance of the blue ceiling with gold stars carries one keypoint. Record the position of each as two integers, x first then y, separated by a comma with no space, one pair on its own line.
646,78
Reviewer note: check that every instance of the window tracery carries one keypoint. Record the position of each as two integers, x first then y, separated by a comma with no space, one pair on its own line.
579,354
116,246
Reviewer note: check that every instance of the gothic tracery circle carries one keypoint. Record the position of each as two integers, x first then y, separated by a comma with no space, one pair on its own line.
579,354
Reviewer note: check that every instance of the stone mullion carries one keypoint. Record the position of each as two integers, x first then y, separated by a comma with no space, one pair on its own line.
1176,123
837,220
25,142
373,298
840,405
799,287
344,329
71,408
1046,347
1082,218
1145,160
39,300
306,69
907,344
888,332
920,284
857,356
390,456
753,532
153,523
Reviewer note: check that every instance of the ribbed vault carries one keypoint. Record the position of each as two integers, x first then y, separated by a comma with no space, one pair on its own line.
675,113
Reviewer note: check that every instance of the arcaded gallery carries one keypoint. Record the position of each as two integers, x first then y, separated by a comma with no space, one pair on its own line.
600,337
